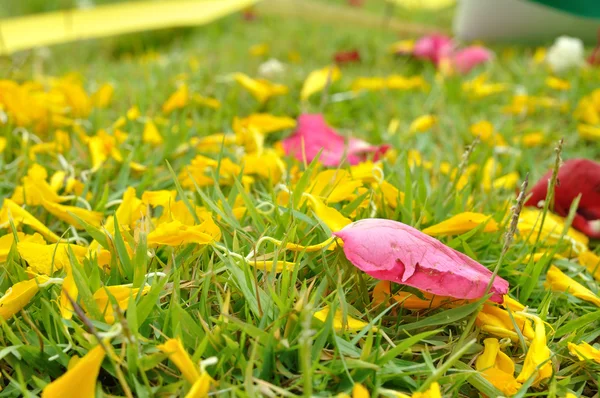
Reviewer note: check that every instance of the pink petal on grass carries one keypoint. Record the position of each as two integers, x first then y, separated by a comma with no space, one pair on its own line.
466,59
392,251
433,47
313,135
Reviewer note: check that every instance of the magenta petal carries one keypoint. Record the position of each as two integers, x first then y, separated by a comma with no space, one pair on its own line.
313,135
433,47
390,250
466,59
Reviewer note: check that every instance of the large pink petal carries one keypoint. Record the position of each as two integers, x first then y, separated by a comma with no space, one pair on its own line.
466,59
433,47
313,135
390,250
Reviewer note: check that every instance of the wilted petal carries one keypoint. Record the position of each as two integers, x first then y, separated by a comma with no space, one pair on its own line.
177,100
7,241
63,212
497,367
334,220
390,250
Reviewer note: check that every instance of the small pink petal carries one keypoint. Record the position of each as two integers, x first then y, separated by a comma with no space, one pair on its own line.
466,59
433,47
392,251
313,135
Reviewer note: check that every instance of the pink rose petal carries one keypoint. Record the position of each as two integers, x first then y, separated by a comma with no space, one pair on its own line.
433,47
390,250
313,135
466,59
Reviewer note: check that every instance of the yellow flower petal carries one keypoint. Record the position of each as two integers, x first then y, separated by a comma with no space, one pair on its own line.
529,228
62,212
121,294
201,387
179,99
432,392
17,297
22,216
318,79
423,123
6,242
261,89
80,380
175,233
68,290
588,132
351,325
591,262
44,259
537,354
556,280
151,135
179,356
102,97
557,84
584,352
359,391
461,223
330,216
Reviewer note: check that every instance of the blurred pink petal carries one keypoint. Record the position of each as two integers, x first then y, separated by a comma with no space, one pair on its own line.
313,134
392,251
433,47
466,59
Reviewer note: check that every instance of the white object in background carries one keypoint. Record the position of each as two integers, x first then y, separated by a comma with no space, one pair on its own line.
271,68
565,53
518,21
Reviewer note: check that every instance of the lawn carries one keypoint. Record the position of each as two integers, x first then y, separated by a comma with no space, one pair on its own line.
190,267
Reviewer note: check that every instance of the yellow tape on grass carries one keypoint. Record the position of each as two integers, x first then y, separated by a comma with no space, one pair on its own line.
23,33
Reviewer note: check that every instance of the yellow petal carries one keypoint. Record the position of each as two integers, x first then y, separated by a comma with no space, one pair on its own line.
102,97
20,215
317,80
69,289
179,356
507,182
177,100
201,387
557,84
432,392
558,281
6,242
17,297
121,294
44,259
537,354
151,134
591,262
206,101
588,132
334,186
261,89
175,233
330,216
265,123
159,198
80,380
422,123
461,223
352,324
133,113
529,228
62,212
359,391
584,352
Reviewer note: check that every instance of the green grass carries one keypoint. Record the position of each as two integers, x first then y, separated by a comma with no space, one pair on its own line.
260,325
